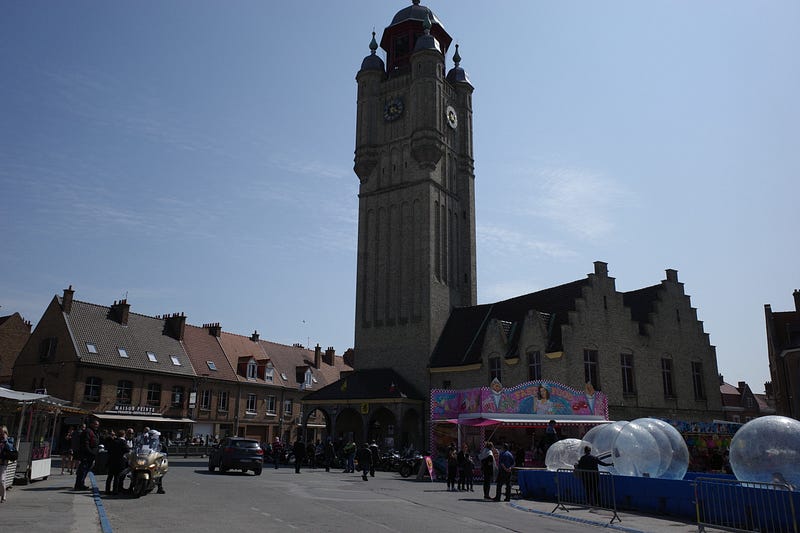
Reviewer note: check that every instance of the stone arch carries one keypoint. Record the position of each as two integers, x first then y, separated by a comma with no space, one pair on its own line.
350,424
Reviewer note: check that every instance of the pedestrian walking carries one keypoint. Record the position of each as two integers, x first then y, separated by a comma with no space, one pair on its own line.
375,459
330,453
349,451
364,460
7,455
277,450
506,464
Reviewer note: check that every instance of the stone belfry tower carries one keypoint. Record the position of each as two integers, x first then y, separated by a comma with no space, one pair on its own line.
416,221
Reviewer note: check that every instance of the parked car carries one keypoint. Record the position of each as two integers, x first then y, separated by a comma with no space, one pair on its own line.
236,453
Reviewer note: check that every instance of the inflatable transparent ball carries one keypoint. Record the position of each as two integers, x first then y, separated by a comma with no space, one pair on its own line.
676,455
635,451
564,454
767,450
601,439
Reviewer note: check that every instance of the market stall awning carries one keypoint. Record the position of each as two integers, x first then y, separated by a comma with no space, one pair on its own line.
19,396
142,418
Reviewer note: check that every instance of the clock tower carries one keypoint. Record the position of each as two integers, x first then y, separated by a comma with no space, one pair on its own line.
416,216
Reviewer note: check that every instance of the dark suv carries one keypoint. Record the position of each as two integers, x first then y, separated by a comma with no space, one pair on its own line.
236,453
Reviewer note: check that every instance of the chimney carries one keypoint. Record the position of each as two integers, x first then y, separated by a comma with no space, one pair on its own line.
601,269
672,275
742,385
349,357
174,325
254,336
213,328
120,311
768,389
330,353
66,301
317,355
796,295
721,379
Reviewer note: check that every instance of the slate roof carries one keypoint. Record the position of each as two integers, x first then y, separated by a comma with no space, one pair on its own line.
201,347
641,302
371,384
91,323
463,335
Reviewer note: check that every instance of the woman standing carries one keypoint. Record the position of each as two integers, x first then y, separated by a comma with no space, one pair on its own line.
488,467
5,457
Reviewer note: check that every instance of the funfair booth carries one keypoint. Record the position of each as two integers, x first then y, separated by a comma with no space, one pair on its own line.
517,415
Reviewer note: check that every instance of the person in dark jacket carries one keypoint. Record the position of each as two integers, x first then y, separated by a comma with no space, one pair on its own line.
375,459
89,446
329,453
117,461
588,473
299,450
364,457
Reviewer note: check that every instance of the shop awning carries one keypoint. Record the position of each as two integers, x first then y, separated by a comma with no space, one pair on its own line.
143,418
523,420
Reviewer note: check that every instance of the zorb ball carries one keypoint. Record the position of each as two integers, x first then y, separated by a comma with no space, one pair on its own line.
635,451
601,439
564,454
678,451
767,450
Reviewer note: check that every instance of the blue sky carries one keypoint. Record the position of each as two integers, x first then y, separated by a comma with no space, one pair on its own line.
197,156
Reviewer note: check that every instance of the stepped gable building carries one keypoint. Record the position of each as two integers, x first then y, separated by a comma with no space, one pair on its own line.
136,370
14,333
645,349
783,348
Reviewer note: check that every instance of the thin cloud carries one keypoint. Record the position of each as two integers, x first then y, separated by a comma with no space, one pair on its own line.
500,240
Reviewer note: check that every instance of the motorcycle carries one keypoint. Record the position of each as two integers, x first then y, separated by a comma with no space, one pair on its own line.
410,464
146,467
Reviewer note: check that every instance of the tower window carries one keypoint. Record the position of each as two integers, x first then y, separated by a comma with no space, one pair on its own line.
591,373
666,377
626,365
534,365
494,368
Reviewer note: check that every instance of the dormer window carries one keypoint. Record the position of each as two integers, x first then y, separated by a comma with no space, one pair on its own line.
175,360
252,369
211,365
283,376
122,351
309,376
91,348
152,357
269,373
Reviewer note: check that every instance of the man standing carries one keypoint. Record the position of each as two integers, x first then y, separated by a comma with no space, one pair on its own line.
329,454
299,450
89,446
589,475
504,473
376,457
349,451
277,451
117,450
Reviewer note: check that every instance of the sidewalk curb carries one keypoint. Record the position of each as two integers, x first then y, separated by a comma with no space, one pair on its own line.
105,525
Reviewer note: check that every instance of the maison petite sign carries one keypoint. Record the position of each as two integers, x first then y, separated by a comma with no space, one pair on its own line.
134,409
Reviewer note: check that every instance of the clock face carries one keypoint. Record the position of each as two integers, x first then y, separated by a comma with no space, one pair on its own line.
393,109
452,117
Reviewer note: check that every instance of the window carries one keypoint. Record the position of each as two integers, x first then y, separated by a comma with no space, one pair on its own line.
205,400
269,373
270,405
154,394
666,377
152,357
174,359
222,401
697,381
47,349
91,391
283,376
308,376
591,372
494,369
122,351
91,348
534,365
749,402
252,369
287,407
211,365
177,396
124,391
251,404
626,365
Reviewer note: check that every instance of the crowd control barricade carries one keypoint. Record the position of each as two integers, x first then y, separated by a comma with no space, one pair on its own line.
582,489
733,505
